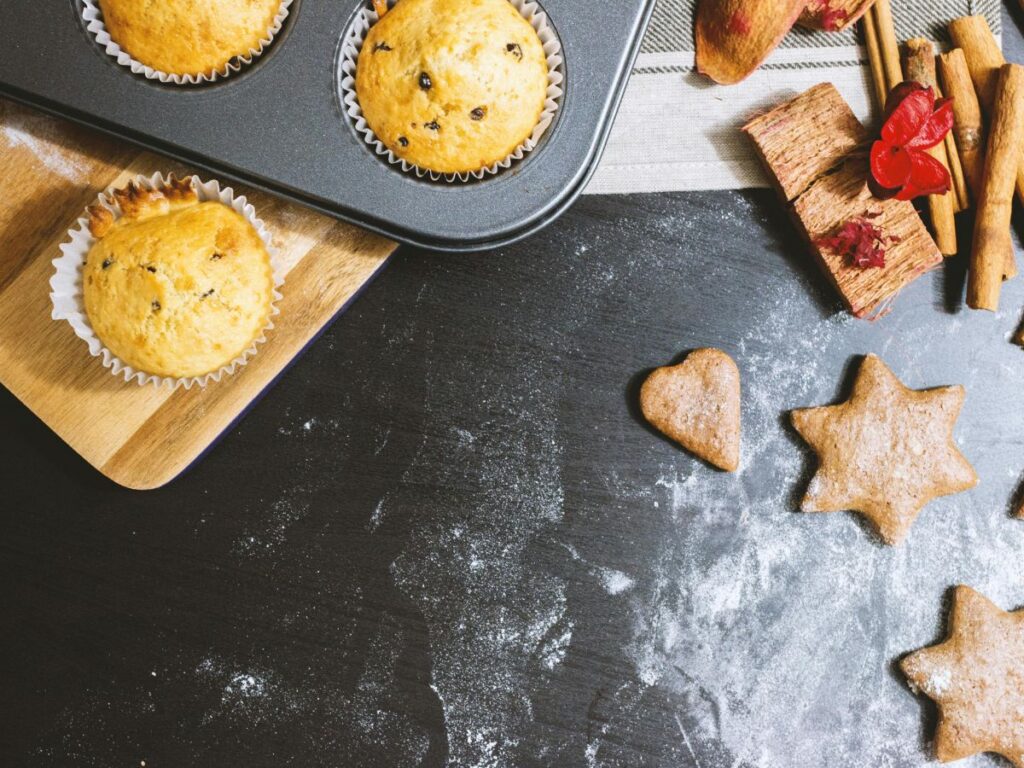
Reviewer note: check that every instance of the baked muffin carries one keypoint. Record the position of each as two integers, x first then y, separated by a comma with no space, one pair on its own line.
188,37
175,287
452,86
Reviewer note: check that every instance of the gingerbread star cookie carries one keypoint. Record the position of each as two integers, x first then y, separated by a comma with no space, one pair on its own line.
697,404
977,679
885,452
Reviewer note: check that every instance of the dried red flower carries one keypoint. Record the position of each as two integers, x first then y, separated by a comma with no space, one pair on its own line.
860,241
914,123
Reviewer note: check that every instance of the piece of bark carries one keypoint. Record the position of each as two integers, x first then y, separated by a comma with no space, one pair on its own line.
733,37
813,148
995,204
806,137
920,68
839,197
833,15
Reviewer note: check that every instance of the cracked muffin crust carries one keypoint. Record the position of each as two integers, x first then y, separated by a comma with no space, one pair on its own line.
188,37
175,287
452,86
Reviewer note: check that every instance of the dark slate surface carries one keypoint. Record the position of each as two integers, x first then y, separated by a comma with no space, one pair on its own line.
447,536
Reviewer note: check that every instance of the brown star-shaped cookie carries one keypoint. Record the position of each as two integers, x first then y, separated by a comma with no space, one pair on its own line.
885,452
977,679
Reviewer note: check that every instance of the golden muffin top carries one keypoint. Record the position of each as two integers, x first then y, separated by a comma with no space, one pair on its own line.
176,287
452,86
188,37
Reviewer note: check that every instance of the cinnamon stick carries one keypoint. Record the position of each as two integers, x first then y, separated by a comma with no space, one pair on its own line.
887,43
967,122
981,50
920,67
968,127
961,198
995,204
984,59
871,43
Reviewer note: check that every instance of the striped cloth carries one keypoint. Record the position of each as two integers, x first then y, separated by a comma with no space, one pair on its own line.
678,131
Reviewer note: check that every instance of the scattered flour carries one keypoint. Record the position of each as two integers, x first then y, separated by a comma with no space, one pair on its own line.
774,632
616,582
41,135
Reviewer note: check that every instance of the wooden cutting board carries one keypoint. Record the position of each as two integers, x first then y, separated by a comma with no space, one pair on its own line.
140,437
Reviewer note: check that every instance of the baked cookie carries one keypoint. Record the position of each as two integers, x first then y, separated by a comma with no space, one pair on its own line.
697,404
977,679
175,287
186,37
452,86
885,452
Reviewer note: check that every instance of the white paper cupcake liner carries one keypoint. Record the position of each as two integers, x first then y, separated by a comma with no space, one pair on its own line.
353,43
69,303
94,23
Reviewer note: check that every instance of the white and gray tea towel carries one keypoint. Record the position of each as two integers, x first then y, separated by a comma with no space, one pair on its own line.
676,130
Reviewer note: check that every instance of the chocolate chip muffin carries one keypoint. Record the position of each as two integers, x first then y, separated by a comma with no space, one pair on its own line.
175,287
452,86
186,37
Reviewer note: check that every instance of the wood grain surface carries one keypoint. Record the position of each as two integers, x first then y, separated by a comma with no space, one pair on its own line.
140,436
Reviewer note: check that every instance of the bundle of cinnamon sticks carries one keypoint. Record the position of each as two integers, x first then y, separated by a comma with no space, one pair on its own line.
985,151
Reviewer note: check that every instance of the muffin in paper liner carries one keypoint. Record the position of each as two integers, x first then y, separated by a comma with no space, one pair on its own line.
93,18
66,291
352,43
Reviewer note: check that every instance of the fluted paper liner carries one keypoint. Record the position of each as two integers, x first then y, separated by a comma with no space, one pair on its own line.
94,24
69,303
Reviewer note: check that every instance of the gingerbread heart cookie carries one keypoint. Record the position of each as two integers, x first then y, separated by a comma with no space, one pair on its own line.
697,404
885,452
977,679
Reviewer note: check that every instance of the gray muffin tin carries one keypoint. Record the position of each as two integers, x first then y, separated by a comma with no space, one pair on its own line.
279,124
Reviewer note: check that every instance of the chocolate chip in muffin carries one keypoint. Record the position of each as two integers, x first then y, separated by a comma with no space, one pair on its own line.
208,293
403,141
478,114
217,257
425,82
381,47
432,125
515,50
156,306
106,263
151,269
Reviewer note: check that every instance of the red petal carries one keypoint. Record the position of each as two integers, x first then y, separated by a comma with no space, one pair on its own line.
909,192
889,165
909,117
935,127
928,174
898,94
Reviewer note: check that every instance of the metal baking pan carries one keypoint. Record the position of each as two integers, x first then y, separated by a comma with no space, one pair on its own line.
279,124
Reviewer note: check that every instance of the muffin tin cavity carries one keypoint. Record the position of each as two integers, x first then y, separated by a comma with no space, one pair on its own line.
347,62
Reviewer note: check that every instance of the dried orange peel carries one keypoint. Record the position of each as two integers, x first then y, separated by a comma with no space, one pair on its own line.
734,36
